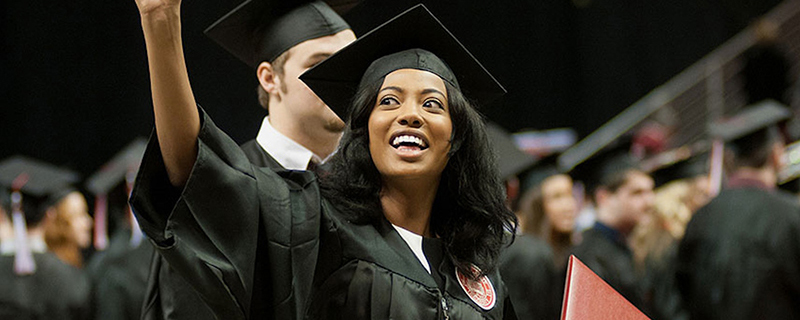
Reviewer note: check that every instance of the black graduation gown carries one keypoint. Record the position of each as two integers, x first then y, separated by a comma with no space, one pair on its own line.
610,258
55,291
529,272
236,226
169,295
740,257
660,289
119,284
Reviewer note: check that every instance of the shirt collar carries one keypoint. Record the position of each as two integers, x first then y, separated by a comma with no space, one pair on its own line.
610,233
414,241
739,181
289,154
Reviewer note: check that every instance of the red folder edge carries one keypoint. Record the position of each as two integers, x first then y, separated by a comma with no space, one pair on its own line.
588,297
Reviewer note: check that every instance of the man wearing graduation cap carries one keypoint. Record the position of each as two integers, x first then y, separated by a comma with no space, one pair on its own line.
34,283
740,256
280,39
623,194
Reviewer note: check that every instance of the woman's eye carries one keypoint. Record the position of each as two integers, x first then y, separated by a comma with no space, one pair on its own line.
388,101
433,104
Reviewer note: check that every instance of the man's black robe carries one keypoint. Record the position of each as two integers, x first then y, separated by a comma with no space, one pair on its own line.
740,257
248,239
605,251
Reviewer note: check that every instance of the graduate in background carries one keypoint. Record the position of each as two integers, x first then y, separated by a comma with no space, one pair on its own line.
623,194
35,283
69,231
682,177
548,208
740,256
119,273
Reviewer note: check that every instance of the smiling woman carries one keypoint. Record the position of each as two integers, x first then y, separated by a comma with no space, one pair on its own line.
408,222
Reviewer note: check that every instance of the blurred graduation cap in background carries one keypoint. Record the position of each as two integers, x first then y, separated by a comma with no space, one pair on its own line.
510,159
111,186
681,163
745,132
415,38
602,164
34,186
547,145
261,30
746,128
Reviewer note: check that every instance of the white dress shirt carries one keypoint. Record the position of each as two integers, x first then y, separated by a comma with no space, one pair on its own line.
289,154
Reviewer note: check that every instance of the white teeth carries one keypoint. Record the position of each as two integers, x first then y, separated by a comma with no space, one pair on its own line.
408,138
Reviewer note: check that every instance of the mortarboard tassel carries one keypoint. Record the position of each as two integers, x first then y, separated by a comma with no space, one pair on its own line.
23,257
136,231
100,225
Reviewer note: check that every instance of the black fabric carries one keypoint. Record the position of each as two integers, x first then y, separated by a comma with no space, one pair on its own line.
320,265
612,260
336,79
41,184
660,287
170,296
740,257
529,272
56,291
119,284
260,30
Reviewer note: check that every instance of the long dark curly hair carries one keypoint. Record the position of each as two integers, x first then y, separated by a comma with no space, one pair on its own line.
469,212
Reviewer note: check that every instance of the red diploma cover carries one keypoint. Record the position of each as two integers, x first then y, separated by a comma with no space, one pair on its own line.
587,297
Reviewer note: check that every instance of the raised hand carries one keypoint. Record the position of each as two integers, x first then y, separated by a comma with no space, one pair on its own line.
176,116
149,6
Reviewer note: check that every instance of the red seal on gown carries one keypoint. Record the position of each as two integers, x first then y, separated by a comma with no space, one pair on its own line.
481,291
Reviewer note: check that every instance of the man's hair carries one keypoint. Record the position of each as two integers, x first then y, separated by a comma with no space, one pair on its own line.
469,212
753,150
277,71
616,180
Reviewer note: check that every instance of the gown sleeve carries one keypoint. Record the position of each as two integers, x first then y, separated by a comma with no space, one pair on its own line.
208,231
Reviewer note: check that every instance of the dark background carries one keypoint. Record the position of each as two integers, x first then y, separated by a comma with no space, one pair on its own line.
75,88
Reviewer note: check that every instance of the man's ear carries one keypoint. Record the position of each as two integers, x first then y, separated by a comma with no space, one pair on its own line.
601,196
269,81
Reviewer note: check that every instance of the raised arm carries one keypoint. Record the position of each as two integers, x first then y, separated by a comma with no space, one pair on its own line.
176,116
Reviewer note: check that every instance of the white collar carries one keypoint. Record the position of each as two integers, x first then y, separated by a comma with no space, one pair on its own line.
414,241
289,154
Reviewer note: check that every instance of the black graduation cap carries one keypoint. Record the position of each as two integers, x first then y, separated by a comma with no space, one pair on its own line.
510,159
111,185
750,120
113,172
605,162
260,30
680,163
414,39
544,168
41,184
